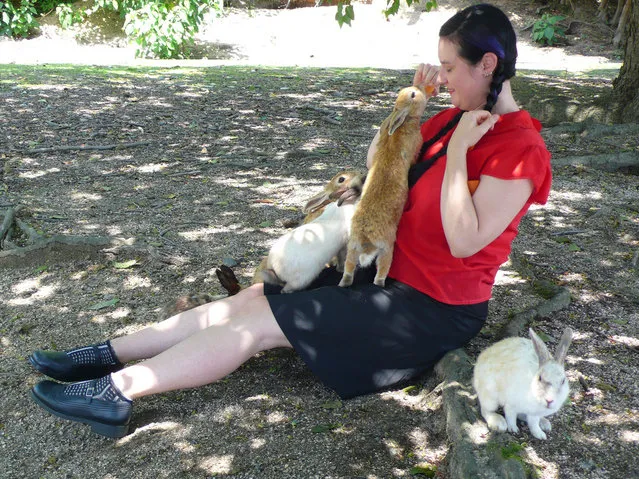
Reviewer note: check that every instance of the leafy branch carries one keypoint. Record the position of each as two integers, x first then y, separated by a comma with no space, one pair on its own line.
547,31
345,14
392,6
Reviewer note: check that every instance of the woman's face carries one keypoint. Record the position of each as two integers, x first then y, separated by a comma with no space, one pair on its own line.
467,85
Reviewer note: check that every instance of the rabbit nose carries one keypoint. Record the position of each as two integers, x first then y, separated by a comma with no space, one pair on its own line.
549,402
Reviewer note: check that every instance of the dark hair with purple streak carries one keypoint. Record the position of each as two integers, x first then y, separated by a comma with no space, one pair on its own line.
476,30
482,29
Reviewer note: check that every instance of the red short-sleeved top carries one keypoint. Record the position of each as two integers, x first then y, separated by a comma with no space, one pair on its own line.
513,149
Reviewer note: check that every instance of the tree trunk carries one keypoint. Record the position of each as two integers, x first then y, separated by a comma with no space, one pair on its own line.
619,37
603,10
615,18
626,85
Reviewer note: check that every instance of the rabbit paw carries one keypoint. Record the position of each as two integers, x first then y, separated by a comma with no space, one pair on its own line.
511,419
538,433
496,422
346,281
288,288
536,424
513,428
380,281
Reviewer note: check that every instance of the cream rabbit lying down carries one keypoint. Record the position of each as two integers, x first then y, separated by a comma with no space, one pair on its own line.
521,376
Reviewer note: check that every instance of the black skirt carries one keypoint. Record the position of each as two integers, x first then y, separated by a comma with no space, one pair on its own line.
365,338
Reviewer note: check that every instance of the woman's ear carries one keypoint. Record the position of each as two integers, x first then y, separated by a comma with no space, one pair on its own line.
489,63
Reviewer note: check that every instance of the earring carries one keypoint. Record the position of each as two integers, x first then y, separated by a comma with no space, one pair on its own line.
487,74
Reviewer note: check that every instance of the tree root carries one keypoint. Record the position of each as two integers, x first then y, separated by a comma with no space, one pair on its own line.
615,160
8,224
516,325
58,248
625,160
36,249
471,455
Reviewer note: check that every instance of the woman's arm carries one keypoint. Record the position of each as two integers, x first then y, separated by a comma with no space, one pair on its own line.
371,151
472,222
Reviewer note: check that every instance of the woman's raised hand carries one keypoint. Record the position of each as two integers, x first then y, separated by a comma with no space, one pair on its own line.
426,77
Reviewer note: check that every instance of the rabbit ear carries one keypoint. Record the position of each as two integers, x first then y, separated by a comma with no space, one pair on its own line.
540,348
316,202
562,348
397,118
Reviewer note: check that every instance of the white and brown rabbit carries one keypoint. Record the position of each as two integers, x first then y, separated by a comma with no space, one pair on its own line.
343,183
344,186
298,257
375,221
332,191
521,376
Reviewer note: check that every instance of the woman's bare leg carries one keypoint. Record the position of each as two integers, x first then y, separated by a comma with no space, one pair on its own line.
206,355
159,337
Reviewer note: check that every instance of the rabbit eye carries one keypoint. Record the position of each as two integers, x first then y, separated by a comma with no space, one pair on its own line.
544,382
341,179
563,381
412,95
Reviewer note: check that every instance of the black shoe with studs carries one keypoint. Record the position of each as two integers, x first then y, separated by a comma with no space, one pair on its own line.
96,402
89,362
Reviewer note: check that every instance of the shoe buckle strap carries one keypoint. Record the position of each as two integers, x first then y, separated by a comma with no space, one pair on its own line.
90,392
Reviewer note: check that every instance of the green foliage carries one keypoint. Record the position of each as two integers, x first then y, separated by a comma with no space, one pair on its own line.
392,6
18,21
165,29
68,16
46,6
546,30
424,470
345,14
513,450
160,28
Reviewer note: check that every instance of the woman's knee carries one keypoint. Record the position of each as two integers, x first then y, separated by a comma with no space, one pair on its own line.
227,308
259,319
253,291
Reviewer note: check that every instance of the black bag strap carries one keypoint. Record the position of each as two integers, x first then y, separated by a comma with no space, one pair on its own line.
418,169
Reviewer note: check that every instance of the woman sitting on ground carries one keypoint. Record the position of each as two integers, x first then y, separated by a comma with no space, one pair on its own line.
451,240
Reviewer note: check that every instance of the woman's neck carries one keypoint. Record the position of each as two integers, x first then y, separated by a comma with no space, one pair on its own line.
505,101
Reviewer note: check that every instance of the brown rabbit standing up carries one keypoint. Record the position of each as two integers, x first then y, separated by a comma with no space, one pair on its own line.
374,224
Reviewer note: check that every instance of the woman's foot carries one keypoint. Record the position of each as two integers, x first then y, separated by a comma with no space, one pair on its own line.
97,403
79,364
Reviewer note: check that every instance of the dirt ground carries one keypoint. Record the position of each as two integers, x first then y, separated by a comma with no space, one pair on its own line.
206,166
